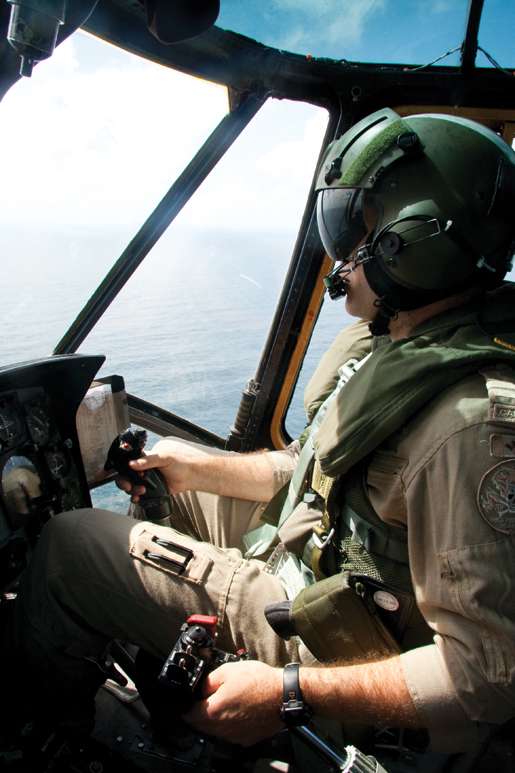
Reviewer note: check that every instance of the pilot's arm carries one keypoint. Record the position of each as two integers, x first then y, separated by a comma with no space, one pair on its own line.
192,467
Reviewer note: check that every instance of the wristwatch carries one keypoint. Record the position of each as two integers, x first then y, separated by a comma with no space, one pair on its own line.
294,710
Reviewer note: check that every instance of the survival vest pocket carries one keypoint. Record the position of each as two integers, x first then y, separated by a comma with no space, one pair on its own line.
337,620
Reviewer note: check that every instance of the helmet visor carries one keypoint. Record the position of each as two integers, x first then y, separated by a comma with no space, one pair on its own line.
341,220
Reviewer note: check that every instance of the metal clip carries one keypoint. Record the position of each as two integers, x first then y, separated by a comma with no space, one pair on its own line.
320,543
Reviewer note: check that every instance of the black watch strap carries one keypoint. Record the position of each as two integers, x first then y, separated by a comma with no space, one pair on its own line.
294,711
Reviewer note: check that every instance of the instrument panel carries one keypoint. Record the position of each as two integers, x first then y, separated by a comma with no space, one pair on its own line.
41,470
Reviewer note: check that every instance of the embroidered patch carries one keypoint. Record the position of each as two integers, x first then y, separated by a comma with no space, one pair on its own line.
502,446
502,412
496,497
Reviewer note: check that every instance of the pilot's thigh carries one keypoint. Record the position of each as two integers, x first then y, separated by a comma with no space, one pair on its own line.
97,576
221,521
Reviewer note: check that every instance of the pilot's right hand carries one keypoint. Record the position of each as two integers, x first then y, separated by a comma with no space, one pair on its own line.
175,462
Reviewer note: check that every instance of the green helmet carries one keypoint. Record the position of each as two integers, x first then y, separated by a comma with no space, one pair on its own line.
431,196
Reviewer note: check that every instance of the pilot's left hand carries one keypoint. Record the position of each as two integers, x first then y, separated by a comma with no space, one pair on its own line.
241,703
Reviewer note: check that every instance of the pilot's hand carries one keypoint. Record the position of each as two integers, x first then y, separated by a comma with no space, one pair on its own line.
172,460
241,703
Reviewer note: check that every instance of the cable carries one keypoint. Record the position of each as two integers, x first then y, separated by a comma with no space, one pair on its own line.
495,63
458,48
423,66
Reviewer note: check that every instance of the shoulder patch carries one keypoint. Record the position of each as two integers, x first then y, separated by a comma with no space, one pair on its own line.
500,411
496,497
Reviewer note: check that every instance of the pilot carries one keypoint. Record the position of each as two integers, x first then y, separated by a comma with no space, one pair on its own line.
383,541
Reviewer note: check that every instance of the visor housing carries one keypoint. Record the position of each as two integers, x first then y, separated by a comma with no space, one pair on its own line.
345,216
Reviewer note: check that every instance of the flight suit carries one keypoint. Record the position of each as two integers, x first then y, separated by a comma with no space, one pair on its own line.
445,477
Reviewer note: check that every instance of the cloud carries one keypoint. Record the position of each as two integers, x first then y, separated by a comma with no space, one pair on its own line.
101,141
441,6
264,179
97,136
329,22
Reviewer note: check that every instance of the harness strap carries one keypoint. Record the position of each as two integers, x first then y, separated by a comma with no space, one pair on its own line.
376,539
349,515
257,541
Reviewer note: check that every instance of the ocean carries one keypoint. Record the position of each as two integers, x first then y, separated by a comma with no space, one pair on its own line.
186,331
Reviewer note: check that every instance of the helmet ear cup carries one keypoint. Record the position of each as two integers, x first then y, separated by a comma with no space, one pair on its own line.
389,244
393,272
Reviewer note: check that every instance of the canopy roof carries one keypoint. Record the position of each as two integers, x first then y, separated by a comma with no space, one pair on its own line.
361,52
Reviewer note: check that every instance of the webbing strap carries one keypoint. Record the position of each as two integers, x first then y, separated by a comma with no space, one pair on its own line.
374,538
258,540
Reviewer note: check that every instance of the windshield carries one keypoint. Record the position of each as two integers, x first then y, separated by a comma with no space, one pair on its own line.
91,143
402,31
114,132
188,328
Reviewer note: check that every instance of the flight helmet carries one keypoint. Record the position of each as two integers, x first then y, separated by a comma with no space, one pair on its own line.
429,198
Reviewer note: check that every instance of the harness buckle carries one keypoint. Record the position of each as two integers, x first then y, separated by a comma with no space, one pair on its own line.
322,542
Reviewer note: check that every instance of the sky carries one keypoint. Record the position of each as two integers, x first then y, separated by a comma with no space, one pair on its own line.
403,31
114,131
109,142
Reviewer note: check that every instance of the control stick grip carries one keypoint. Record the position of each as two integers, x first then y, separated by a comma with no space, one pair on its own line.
156,502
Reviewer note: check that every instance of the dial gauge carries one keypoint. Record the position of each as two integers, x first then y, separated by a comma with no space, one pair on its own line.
9,425
57,464
38,423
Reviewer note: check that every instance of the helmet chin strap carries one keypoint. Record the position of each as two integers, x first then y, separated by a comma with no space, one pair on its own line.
380,325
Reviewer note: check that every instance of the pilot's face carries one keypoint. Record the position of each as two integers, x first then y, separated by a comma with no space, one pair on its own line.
360,299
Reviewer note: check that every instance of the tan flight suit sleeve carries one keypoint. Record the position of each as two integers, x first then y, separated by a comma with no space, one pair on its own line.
283,463
354,340
458,491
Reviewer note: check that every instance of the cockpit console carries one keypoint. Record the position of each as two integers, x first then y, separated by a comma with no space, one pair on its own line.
41,468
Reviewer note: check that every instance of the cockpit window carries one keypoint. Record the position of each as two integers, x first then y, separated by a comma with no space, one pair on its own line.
496,34
188,328
394,31
90,144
